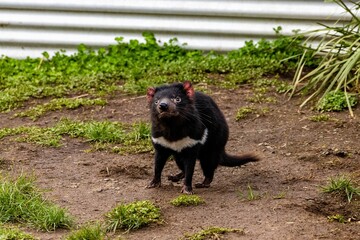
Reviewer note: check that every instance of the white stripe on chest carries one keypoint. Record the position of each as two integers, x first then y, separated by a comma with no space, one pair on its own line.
180,144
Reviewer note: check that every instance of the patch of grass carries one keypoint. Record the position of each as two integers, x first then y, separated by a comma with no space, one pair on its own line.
336,101
133,138
343,186
338,218
132,216
87,232
320,118
212,233
58,104
281,195
33,134
22,202
187,200
14,234
250,195
244,112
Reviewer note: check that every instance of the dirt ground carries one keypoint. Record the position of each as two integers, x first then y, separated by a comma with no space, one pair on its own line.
298,156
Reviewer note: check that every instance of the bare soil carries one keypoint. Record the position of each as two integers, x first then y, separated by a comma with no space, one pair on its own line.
298,156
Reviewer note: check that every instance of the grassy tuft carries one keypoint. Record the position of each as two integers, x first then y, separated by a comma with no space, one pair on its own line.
187,200
14,234
87,232
338,218
212,233
22,202
133,138
320,118
343,186
58,104
243,112
132,216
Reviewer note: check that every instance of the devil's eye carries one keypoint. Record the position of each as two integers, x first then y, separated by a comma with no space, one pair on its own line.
177,99
156,102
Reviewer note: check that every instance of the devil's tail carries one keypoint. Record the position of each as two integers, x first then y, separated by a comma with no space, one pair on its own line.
233,161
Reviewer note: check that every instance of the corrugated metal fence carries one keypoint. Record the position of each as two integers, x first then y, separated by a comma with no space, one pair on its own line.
29,27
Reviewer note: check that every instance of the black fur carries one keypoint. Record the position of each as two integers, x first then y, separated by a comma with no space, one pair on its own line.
177,112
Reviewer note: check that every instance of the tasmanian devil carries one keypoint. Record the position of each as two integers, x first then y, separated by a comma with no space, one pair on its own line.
188,125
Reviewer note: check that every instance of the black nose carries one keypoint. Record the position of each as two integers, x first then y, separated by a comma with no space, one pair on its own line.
163,106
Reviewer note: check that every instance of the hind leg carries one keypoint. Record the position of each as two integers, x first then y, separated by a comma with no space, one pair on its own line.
177,177
208,164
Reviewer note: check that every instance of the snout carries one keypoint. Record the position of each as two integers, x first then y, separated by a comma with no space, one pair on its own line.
163,106
166,108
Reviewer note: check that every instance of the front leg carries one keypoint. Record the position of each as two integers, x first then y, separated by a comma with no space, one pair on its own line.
189,160
161,155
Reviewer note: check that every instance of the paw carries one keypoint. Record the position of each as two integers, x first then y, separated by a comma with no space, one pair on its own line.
204,184
154,184
187,190
177,177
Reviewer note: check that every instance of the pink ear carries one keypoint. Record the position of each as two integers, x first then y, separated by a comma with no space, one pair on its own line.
190,92
150,94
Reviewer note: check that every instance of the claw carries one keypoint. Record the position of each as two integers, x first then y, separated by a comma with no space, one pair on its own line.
187,190
154,184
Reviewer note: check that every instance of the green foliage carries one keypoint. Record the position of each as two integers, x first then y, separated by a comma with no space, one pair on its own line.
212,233
187,200
22,202
339,55
320,118
58,104
133,138
133,66
14,234
338,218
336,101
132,216
243,112
87,232
342,185
250,195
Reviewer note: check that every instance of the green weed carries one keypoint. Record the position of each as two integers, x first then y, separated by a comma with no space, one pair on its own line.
243,112
336,101
212,233
22,202
133,138
187,200
250,195
281,195
132,216
320,118
14,234
338,218
87,232
58,104
343,186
